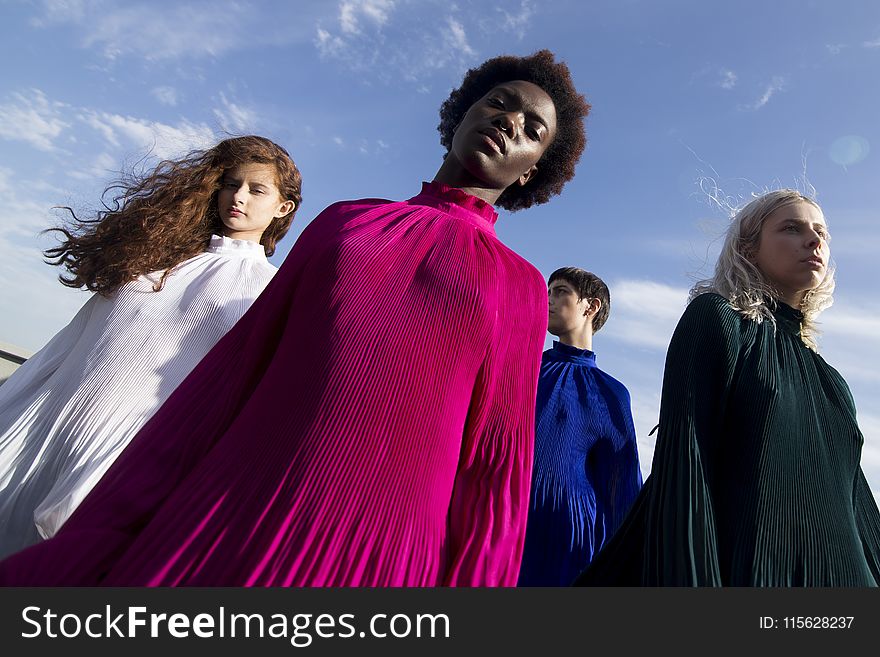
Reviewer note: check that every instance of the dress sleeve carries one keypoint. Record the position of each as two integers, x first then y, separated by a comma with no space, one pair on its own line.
490,500
669,537
39,368
171,444
867,523
614,471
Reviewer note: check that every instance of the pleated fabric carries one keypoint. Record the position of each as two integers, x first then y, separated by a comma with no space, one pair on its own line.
69,411
370,421
586,474
756,478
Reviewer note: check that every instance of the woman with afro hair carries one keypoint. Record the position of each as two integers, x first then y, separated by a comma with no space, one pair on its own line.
370,421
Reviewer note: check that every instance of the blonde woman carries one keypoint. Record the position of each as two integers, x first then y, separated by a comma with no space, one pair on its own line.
756,478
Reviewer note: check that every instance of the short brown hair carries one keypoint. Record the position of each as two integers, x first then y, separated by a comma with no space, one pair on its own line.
588,286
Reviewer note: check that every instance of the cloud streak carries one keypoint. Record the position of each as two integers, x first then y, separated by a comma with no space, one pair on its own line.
390,41
34,118
31,117
728,79
645,313
162,33
236,118
776,85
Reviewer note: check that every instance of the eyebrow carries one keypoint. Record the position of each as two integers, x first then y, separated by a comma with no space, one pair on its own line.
233,179
528,109
803,220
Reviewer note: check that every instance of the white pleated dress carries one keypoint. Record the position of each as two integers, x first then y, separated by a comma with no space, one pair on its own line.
70,410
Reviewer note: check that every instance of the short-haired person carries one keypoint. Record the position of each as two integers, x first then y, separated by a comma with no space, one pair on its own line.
756,478
586,471
370,422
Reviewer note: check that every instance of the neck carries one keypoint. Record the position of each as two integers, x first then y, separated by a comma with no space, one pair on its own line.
793,299
247,235
451,173
582,339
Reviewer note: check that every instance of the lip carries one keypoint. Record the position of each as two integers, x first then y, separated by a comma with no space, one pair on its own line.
495,138
814,261
235,212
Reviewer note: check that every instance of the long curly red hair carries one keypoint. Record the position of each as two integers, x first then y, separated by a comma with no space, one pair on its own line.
159,220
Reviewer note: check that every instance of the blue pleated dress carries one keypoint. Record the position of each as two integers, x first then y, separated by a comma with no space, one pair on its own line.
586,470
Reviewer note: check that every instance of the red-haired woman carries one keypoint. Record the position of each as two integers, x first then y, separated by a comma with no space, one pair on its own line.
175,261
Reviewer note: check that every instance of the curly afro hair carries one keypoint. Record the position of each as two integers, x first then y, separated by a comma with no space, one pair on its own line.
556,167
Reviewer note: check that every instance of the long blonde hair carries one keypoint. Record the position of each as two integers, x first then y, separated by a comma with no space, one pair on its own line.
744,285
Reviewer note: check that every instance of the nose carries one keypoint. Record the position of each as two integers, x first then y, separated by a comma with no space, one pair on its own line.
507,123
814,240
238,196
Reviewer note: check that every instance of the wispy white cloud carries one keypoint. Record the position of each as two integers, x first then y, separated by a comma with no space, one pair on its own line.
165,95
728,79
329,45
835,48
776,84
852,323
60,11
42,306
34,118
870,427
517,21
850,340
149,31
158,139
351,12
456,37
31,117
875,43
96,169
235,118
644,313
409,40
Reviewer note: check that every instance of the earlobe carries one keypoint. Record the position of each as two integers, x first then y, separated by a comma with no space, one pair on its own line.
286,208
527,176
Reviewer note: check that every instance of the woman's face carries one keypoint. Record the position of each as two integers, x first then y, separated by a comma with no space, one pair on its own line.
504,135
249,201
793,251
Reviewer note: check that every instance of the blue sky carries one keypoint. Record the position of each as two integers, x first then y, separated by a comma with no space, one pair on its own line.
690,100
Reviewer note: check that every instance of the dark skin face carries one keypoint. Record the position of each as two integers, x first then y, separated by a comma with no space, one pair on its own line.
500,140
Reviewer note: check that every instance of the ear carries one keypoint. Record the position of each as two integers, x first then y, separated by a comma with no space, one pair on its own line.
527,176
592,308
285,208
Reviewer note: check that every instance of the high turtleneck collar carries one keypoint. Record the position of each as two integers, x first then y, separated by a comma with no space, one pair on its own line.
229,246
457,203
787,318
565,352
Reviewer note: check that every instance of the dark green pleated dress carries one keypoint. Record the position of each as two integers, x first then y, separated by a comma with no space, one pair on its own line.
756,478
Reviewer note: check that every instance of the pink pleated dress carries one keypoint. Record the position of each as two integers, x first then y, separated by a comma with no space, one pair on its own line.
368,422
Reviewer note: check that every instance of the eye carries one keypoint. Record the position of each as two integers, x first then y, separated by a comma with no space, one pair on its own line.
533,133
496,102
